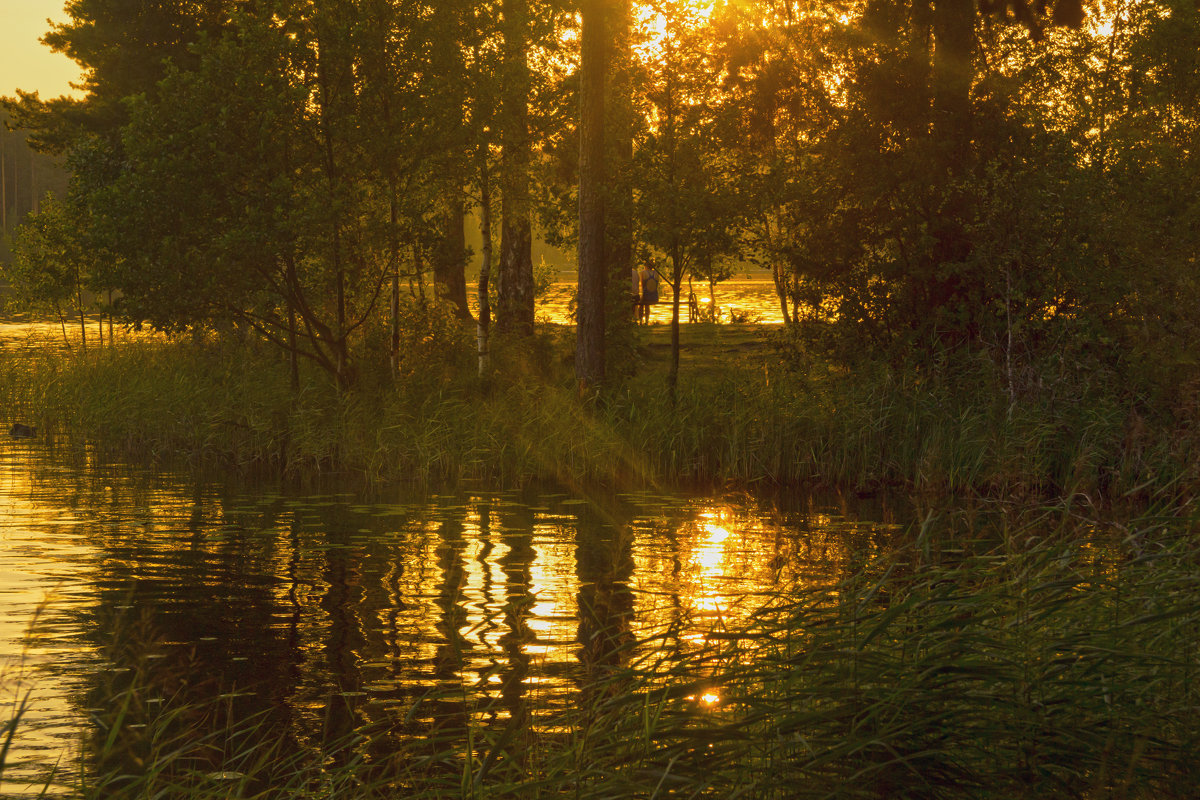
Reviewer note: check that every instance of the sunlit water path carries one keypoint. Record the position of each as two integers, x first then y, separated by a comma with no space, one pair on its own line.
736,299
739,299
330,612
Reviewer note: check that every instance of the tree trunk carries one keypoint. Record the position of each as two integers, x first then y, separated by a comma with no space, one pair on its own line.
781,290
419,272
675,253
953,25
62,322
778,275
449,266
954,41
293,349
589,341
337,343
618,206
485,269
514,287
448,62
82,318
394,256
676,286
920,56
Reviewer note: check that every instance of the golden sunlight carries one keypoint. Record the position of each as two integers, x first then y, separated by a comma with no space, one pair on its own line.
709,557
666,20
26,63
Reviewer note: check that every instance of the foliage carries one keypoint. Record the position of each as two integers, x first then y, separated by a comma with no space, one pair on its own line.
985,236
275,164
1022,212
55,265
990,655
933,431
683,181
817,147
48,268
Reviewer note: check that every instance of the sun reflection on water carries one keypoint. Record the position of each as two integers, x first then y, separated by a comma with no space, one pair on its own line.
427,615
710,557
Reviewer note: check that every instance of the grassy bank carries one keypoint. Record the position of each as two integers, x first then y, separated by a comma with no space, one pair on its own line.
998,653
745,412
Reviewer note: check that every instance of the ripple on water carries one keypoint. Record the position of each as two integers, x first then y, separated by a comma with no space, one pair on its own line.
331,613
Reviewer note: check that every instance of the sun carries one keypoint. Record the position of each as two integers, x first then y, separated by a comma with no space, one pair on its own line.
661,21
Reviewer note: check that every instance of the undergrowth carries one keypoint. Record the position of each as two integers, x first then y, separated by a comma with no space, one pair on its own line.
746,420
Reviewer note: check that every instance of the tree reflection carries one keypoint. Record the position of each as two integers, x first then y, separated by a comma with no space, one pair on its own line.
604,566
340,631
344,639
184,624
516,523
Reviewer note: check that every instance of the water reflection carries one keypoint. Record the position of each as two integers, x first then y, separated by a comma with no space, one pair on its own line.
742,299
188,606
745,300
604,559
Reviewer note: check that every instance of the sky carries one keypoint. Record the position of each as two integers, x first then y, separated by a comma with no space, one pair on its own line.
26,63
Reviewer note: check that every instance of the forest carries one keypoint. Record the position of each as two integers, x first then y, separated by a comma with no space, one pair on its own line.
27,177
983,210
334,507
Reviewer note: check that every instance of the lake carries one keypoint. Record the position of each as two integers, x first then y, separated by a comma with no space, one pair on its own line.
744,299
166,633
126,591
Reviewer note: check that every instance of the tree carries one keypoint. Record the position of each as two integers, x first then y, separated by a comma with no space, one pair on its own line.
123,48
450,23
280,166
774,81
589,348
684,204
53,266
482,70
514,312
270,203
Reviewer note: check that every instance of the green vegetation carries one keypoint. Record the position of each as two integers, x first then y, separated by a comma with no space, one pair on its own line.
935,180
981,221
25,178
998,653
751,408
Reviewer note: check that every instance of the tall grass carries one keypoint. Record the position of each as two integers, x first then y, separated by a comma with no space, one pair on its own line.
995,653
877,428
744,420
1031,663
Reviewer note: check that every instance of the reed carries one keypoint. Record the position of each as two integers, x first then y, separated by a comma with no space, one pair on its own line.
995,655
996,652
741,420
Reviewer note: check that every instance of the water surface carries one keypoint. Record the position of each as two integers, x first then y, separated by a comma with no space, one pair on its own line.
739,299
329,612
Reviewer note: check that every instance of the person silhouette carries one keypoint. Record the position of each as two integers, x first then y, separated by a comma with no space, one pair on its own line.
637,294
649,280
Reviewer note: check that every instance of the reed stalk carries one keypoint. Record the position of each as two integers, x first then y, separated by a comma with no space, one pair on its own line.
744,422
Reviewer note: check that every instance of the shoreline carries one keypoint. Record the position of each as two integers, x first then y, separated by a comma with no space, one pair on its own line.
742,418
